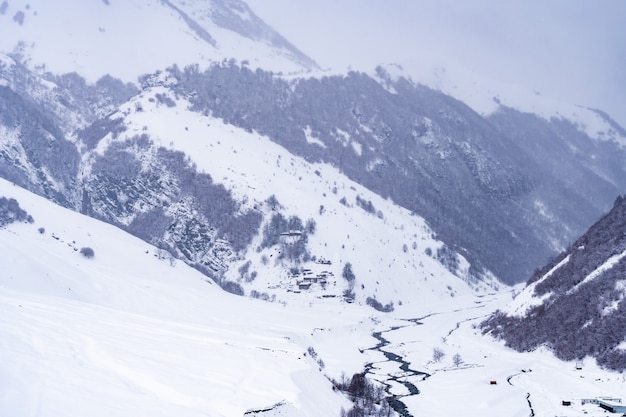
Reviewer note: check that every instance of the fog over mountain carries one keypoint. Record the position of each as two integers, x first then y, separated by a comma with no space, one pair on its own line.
573,51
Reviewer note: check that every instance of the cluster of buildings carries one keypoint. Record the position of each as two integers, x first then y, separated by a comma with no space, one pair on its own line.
306,278
612,405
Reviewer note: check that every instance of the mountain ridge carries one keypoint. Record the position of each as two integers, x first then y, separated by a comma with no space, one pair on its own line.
574,305
487,183
378,129
126,40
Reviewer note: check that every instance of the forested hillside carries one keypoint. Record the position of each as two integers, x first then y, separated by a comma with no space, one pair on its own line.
575,304
505,191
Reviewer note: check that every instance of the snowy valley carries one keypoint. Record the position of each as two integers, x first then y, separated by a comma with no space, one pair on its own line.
215,226
126,332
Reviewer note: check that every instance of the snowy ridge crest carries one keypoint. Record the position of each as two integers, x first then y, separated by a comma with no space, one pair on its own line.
44,38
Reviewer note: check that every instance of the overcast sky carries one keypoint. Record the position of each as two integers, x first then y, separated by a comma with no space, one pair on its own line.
573,50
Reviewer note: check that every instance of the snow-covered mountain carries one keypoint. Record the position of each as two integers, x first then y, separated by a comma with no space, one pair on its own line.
126,39
502,187
575,304
375,216
490,186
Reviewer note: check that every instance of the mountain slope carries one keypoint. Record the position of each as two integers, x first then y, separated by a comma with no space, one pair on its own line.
128,39
474,179
504,191
198,189
259,182
125,331
575,304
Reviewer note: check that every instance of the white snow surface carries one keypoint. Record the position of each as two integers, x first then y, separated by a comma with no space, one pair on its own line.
124,333
124,39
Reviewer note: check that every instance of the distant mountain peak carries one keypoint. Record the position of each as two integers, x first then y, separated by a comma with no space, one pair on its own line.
238,17
129,39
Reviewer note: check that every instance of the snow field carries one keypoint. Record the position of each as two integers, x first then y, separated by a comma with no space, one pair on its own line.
125,332
467,389
124,39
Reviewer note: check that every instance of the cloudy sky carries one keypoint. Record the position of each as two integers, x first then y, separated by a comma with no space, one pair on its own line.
572,50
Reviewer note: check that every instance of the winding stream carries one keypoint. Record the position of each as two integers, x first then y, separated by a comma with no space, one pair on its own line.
403,377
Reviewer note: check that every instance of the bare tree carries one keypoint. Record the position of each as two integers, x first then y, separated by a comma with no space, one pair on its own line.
457,360
438,354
